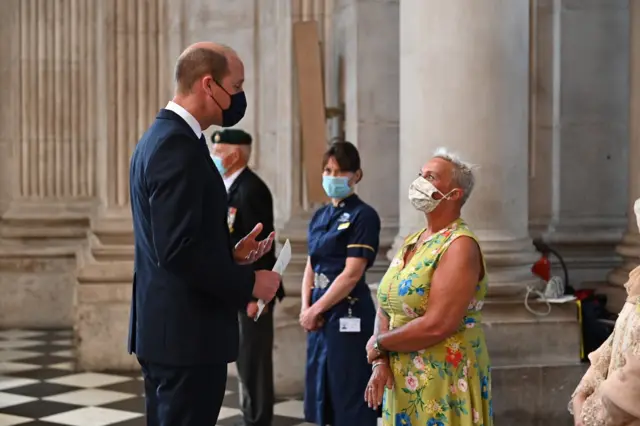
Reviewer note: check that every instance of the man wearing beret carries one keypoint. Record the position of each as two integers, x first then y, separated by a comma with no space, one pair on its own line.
250,203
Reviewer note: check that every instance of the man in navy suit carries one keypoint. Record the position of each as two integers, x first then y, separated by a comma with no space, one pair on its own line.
189,280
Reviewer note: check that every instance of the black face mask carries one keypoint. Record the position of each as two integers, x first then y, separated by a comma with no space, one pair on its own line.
232,115
237,107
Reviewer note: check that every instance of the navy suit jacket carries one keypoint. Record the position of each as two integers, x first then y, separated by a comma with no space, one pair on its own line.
187,288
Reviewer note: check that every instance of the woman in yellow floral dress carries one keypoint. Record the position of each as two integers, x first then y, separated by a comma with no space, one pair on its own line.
429,350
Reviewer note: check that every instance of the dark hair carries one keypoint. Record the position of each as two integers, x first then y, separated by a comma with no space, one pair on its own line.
345,154
196,63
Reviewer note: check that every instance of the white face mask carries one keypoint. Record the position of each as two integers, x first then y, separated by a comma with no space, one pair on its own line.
421,195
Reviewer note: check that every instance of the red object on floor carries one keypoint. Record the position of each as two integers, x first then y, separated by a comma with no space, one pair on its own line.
542,268
583,294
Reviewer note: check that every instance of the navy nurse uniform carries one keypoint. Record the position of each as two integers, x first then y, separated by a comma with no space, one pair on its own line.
337,369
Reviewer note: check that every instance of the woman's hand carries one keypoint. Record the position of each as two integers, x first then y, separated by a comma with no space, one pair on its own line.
381,378
311,319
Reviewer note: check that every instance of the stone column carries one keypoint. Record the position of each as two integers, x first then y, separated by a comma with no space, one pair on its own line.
280,128
133,85
464,86
629,248
367,45
49,113
580,52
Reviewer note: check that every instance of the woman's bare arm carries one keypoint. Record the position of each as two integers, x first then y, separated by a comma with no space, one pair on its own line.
381,324
342,285
452,288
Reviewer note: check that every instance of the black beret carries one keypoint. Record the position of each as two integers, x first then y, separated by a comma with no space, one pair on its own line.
231,137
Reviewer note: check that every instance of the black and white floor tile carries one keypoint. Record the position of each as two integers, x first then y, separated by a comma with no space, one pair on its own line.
38,387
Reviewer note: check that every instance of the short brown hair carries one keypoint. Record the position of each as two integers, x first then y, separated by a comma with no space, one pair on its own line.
196,63
345,154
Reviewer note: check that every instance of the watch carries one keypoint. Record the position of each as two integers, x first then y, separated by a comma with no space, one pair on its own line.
377,347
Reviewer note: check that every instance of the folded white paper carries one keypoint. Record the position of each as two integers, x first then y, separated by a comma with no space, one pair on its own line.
281,264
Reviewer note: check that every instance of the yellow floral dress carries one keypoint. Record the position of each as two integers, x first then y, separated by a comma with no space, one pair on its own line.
448,384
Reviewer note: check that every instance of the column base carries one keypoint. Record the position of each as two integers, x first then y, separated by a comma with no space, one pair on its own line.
629,249
586,246
103,300
37,285
509,261
290,341
49,222
533,377
38,244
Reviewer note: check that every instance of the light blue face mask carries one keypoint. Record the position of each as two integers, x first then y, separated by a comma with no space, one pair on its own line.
218,163
336,186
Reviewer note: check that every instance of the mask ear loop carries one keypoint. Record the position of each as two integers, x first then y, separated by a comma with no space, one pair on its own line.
214,98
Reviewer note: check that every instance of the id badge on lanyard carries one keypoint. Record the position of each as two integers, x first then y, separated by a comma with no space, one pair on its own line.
350,324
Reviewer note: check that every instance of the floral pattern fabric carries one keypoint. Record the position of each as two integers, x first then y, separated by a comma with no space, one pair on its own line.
448,384
605,360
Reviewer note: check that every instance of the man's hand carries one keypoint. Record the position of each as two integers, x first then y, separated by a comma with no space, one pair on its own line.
266,285
252,309
248,250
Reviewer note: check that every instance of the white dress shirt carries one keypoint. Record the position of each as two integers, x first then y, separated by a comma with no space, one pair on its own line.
228,181
186,116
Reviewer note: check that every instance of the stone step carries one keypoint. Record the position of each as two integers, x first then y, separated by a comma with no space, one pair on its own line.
534,395
514,310
515,336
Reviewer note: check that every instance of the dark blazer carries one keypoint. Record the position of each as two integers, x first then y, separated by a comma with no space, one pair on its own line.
187,288
250,203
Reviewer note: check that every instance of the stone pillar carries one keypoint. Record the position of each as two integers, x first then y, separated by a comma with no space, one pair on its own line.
49,113
580,51
464,85
135,80
9,110
467,90
629,248
367,45
280,126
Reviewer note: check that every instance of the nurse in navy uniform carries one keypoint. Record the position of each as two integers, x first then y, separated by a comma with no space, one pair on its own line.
337,309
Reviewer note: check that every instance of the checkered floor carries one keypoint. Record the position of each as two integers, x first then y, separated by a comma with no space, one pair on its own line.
39,387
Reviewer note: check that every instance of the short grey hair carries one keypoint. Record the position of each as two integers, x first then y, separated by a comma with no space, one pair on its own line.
245,151
462,171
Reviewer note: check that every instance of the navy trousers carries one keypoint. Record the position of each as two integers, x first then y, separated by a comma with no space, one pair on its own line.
183,396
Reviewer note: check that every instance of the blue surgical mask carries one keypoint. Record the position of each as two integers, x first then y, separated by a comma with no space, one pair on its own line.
218,163
336,186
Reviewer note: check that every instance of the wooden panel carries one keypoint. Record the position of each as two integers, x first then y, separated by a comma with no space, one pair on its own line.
312,109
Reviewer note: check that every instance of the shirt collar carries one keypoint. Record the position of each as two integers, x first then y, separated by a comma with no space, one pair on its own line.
346,202
228,181
186,116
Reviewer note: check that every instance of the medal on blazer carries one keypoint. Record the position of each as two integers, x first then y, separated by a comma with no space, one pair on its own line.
231,217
